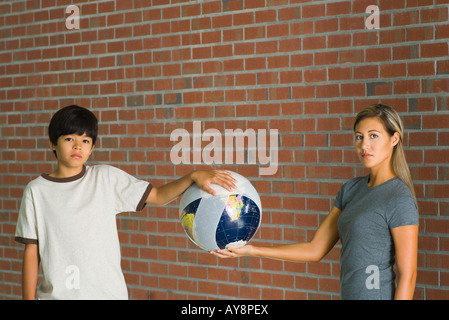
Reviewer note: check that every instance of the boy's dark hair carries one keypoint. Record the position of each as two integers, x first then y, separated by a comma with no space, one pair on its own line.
73,119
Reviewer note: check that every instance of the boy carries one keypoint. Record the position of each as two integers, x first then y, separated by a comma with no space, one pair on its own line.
67,218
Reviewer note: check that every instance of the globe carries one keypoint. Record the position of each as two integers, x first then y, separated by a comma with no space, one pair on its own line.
221,220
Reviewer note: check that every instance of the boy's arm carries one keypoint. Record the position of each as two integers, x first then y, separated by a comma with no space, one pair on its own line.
30,271
167,193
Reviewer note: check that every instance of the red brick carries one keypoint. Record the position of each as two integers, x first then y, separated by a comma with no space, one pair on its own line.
434,15
434,50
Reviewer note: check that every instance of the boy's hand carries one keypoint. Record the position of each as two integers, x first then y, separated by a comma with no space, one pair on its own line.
167,193
220,177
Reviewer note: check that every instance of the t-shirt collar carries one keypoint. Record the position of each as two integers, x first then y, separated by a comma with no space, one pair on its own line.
67,179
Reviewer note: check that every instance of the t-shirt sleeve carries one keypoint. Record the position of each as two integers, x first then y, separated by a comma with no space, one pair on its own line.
402,211
339,199
26,229
345,193
129,193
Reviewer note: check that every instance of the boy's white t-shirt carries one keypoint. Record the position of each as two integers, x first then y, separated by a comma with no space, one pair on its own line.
74,222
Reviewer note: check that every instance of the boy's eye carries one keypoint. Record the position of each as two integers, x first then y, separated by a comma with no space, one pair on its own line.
86,141
68,139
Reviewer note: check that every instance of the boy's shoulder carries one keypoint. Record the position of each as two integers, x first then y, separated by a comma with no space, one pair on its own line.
104,169
35,182
106,173
99,168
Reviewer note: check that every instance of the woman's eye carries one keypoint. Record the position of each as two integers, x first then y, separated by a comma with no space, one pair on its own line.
373,136
358,137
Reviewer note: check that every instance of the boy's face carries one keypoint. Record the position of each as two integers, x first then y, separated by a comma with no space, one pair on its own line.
73,150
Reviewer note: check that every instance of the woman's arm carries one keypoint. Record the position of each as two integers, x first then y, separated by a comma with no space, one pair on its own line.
167,193
30,271
406,246
323,241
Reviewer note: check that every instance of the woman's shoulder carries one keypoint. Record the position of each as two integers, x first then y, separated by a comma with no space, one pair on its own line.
354,182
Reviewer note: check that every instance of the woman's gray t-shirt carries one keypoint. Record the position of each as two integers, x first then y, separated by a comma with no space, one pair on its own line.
367,253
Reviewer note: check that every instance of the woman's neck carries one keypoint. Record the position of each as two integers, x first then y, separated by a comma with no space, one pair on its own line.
377,177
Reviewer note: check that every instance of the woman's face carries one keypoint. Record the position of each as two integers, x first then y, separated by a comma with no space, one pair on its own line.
373,144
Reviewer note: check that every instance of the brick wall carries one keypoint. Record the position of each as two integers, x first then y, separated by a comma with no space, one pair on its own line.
303,67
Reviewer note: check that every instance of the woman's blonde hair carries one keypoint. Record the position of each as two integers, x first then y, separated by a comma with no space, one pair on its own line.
392,123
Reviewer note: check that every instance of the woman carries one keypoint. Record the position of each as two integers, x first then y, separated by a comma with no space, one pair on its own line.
375,217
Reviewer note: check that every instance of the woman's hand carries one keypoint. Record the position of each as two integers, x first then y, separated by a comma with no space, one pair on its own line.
234,252
323,241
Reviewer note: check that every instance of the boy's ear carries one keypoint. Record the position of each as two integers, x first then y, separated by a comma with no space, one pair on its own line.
52,147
